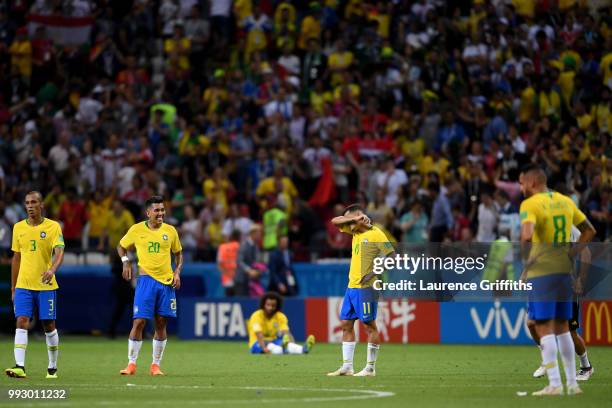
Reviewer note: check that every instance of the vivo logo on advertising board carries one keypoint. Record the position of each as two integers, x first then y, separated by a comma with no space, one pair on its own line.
489,322
219,320
498,319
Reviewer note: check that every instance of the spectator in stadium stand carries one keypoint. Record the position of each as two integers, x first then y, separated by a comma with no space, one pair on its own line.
218,188
248,256
441,217
21,55
117,224
237,219
227,258
338,241
73,215
191,233
414,224
6,227
99,209
469,93
279,186
488,218
282,277
275,223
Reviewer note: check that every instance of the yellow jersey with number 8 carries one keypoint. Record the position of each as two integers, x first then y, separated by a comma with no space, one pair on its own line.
36,245
153,248
553,215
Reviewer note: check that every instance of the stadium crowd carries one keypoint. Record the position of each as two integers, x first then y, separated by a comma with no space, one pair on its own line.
282,112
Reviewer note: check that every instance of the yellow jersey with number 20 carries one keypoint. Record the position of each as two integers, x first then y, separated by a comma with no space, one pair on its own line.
153,248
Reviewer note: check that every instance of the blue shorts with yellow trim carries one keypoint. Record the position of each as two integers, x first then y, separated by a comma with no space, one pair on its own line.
359,303
27,300
153,298
256,349
551,297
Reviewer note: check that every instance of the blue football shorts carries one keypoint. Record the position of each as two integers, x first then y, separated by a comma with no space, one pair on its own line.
27,300
153,298
359,303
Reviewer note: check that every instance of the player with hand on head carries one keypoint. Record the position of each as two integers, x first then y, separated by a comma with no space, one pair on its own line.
269,329
360,301
546,220
155,296
38,246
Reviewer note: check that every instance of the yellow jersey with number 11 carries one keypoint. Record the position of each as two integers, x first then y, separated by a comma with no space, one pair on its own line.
153,248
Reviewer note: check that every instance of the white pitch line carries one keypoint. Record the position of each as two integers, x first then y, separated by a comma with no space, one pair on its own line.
364,394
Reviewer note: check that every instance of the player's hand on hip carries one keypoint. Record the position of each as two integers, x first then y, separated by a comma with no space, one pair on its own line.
127,271
47,277
176,283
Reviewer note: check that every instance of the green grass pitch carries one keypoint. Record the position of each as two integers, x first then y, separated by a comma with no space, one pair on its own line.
223,374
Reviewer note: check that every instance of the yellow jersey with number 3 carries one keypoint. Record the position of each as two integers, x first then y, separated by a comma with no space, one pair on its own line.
553,215
365,247
36,245
153,248
269,328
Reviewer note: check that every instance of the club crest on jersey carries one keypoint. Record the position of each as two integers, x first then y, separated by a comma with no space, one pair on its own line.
165,237
43,234
276,325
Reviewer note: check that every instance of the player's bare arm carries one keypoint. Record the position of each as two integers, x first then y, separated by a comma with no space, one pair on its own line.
58,258
261,342
350,219
15,263
527,230
127,265
178,258
587,233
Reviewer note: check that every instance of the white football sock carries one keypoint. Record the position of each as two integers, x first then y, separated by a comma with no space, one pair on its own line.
584,361
21,344
549,359
52,347
566,349
274,349
348,351
293,348
158,350
133,350
372,355
540,348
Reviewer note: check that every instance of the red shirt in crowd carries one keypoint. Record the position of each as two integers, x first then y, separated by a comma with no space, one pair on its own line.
74,216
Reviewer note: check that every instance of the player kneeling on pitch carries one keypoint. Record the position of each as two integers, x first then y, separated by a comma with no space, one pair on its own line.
155,291
269,329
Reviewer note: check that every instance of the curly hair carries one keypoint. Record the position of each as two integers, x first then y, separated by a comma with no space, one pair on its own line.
273,296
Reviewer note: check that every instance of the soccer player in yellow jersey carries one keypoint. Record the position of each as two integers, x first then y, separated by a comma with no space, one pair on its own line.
269,329
38,246
546,221
360,302
155,296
